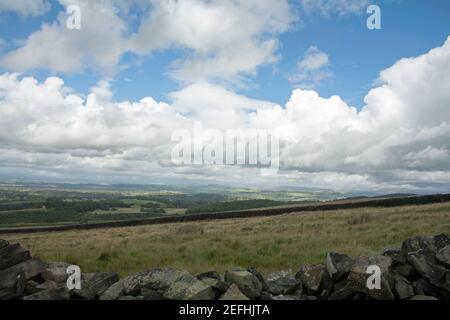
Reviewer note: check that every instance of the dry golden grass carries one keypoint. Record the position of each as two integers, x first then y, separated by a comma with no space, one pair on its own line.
268,243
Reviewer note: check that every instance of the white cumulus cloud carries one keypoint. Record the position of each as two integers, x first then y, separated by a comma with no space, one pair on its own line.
98,45
25,7
331,7
400,139
311,69
224,40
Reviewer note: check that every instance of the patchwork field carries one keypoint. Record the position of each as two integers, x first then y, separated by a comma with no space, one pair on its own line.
268,243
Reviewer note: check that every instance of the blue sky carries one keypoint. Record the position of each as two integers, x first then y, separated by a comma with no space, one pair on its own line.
353,108
356,54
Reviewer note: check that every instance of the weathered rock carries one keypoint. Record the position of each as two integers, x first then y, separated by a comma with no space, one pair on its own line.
284,297
132,284
102,281
360,296
247,282
30,287
327,287
402,287
175,284
234,293
34,287
3,244
418,243
12,284
150,294
441,240
265,296
32,268
95,285
131,298
12,255
396,255
447,280
407,271
209,274
338,265
51,294
214,280
311,277
47,285
299,292
83,294
422,287
443,256
217,285
421,297
114,292
340,285
259,277
307,298
342,294
282,283
358,276
56,272
425,264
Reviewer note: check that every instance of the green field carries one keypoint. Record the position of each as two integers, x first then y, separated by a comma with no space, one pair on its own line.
59,204
268,243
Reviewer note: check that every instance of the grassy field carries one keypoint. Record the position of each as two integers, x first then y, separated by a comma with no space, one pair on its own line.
268,243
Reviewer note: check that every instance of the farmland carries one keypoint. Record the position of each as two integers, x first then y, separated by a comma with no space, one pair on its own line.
42,205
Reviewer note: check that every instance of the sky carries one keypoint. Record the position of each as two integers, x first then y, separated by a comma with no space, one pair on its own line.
355,108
